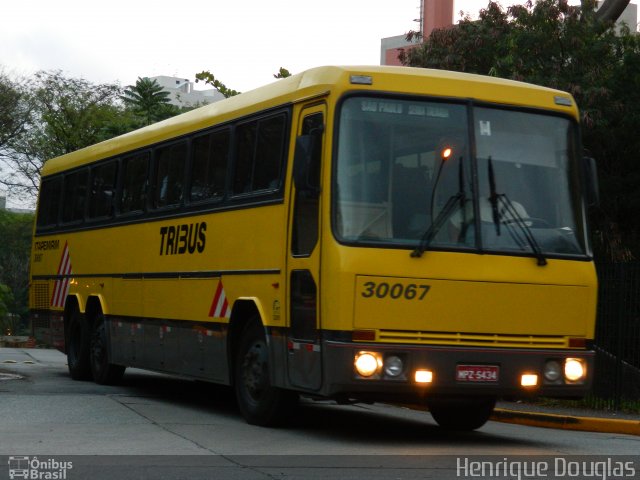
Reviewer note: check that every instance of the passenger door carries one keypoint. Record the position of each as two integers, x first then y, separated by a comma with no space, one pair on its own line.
304,357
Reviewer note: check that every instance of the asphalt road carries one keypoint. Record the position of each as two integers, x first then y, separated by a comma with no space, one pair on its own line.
156,426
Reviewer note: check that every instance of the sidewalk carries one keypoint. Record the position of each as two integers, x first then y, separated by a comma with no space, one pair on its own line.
567,418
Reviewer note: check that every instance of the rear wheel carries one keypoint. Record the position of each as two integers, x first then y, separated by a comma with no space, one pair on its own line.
260,403
78,346
461,413
104,373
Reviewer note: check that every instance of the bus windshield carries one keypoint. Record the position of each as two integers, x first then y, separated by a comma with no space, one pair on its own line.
456,176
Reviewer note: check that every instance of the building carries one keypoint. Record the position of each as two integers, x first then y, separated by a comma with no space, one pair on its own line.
182,93
3,206
439,14
628,17
433,14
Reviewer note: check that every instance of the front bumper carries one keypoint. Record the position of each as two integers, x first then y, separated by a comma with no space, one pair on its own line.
341,379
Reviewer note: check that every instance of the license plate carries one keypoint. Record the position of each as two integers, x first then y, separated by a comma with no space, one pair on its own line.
477,373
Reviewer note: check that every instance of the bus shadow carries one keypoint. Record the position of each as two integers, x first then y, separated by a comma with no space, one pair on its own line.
367,425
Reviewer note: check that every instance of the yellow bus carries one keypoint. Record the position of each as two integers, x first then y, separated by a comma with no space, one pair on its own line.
348,233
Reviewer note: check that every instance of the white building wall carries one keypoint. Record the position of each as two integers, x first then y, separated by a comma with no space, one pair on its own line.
628,17
182,93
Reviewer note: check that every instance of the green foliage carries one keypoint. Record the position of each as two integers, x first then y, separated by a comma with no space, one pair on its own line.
208,78
15,117
566,47
73,112
6,298
15,250
14,109
148,101
282,73
65,114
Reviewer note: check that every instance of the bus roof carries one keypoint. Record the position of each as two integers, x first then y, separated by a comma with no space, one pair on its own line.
327,80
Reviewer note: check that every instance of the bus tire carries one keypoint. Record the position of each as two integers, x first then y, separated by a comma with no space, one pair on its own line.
462,414
259,402
78,346
104,373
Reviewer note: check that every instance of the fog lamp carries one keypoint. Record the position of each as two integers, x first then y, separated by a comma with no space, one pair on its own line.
393,366
552,370
367,363
529,380
424,376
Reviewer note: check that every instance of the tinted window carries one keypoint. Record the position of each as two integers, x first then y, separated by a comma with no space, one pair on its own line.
305,218
245,153
49,204
134,183
75,196
266,173
259,155
210,155
103,190
170,163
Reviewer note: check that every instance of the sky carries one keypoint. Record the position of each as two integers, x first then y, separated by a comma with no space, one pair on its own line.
242,42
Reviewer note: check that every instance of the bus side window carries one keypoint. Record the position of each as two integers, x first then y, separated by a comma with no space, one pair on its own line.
103,189
209,167
134,183
75,196
269,153
170,161
259,155
245,151
49,206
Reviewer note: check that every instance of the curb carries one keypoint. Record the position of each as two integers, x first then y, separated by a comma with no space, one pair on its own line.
567,422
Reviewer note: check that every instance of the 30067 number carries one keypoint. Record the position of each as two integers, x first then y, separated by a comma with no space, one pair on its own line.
395,291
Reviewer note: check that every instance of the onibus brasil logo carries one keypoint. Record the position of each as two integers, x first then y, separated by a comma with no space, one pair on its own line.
36,469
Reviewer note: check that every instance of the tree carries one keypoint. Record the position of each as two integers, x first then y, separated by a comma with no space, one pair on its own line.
282,73
15,114
149,101
15,251
66,114
207,77
5,299
9,322
14,109
570,48
610,10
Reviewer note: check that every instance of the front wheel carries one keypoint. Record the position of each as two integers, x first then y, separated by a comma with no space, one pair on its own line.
463,414
104,373
260,403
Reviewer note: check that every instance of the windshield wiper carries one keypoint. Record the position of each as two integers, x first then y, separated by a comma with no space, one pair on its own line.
508,207
445,213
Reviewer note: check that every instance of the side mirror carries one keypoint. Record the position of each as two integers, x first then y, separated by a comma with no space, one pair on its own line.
591,181
306,165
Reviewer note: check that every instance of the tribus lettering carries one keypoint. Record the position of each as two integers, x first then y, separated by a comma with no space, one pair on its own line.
181,239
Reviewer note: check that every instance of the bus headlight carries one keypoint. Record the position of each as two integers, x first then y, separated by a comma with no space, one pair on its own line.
367,363
393,366
574,370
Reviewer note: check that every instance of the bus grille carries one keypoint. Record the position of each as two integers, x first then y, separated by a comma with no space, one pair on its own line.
41,296
472,339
